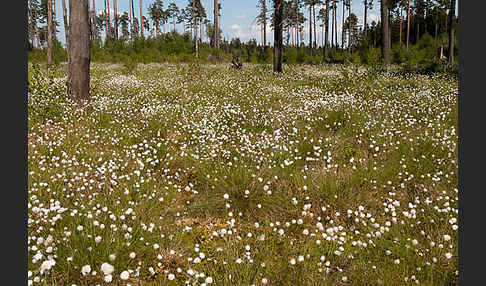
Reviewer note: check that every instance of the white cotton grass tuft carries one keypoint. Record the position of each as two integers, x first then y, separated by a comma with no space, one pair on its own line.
107,268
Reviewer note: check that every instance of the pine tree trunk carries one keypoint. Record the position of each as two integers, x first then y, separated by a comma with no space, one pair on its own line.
79,53
452,11
310,29
134,32
314,17
36,33
332,26
408,24
195,28
216,24
385,47
95,30
49,33
298,23
141,20
436,23
66,28
326,36
106,23
342,30
401,28
115,18
31,23
365,16
277,29
264,24
417,19
109,20
54,33
335,25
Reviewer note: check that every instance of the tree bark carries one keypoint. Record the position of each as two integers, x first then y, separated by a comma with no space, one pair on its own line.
310,29
314,17
385,45
195,28
400,28
49,33
326,36
31,23
332,25
365,16
66,27
342,30
36,33
452,11
436,22
216,24
297,24
264,24
115,18
335,25
277,32
79,53
408,24
53,5
95,32
141,21
109,19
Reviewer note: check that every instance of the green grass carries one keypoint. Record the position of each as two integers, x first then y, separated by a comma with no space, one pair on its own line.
332,157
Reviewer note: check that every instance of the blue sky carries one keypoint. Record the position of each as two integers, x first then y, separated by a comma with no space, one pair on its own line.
237,16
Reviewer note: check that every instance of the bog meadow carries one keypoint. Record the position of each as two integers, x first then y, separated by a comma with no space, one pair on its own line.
175,159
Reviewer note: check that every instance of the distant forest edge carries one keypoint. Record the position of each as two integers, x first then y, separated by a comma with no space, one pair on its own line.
417,41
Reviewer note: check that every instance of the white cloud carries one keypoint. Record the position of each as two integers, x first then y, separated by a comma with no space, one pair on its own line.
372,17
235,27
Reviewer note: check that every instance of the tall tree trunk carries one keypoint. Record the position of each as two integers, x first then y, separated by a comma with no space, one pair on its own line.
436,22
332,25
133,21
297,25
141,20
79,53
335,25
314,18
310,29
446,22
277,32
36,33
31,23
49,33
452,12
216,24
417,23
54,32
385,45
93,21
408,24
349,30
400,28
66,28
109,19
106,23
115,19
366,16
195,27
264,24
342,30
326,40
